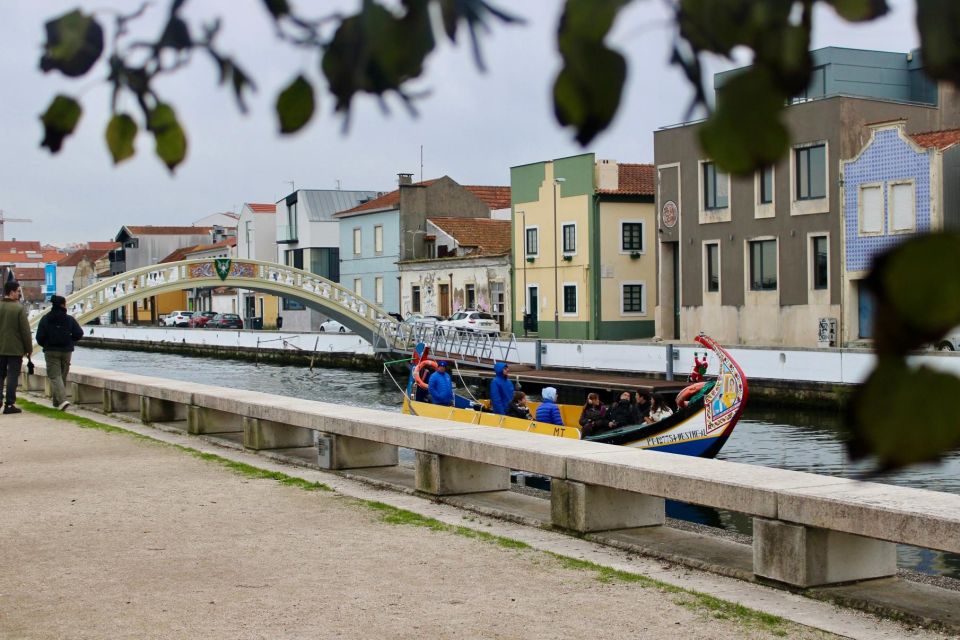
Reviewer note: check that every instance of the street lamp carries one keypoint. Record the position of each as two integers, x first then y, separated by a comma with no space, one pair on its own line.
556,250
523,244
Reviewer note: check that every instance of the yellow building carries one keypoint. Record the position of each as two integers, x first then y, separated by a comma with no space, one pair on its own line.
584,248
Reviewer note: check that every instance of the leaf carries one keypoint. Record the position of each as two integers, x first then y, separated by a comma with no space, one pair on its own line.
171,142
895,415
917,290
720,25
746,131
237,77
938,22
587,91
277,8
376,52
295,105
121,132
176,35
59,121
74,44
860,10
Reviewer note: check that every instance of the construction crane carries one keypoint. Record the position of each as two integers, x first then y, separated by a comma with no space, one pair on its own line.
4,219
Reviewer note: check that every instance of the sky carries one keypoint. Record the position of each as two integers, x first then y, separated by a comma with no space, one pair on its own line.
472,126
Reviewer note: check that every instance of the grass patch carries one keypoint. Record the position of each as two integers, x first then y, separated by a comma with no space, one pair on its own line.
241,468
393,515
693,600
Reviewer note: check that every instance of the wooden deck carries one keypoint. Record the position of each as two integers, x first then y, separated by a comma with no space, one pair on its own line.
593,380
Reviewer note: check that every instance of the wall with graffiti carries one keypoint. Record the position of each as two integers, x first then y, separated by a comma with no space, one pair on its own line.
445,286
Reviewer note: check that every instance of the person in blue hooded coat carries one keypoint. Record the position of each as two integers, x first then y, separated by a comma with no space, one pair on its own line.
548,411
440,385
501,389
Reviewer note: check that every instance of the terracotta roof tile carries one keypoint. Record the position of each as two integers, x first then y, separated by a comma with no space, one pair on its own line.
53,256
105,246
167,231
937,139
257,207
229,242
633,179
386,201
20,257
31,274
80,255
18,246
491,237
179,254
493,196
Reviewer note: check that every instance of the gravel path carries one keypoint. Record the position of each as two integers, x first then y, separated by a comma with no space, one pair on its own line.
110,536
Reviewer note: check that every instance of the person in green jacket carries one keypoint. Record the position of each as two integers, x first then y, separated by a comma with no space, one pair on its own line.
15,342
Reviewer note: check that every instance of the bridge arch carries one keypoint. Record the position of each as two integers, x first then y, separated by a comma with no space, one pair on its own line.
363,317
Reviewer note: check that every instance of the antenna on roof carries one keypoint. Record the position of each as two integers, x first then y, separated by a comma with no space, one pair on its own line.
421,163
338,184
292,187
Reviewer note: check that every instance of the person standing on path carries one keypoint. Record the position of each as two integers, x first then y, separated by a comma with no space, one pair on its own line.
15,342
501,389
57,333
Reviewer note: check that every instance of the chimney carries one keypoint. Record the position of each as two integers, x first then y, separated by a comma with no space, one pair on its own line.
608,175
404,178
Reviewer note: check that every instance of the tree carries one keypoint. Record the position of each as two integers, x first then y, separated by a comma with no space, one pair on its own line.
378,50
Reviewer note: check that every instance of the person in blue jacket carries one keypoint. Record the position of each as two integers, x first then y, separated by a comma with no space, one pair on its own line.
440,385
548,411
501,389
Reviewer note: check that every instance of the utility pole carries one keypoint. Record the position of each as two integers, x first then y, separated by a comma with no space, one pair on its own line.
556,250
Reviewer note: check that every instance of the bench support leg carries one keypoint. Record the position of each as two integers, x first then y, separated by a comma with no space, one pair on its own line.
443,475
584,507
265,434
343,452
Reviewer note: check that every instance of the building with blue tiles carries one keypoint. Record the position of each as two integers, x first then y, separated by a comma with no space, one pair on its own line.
898,185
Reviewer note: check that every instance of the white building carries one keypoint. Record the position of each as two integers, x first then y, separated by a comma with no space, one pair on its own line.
257,240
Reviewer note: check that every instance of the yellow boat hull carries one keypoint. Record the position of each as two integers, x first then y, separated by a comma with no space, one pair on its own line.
484,419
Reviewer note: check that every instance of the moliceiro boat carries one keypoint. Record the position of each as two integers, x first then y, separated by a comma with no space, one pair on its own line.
706,414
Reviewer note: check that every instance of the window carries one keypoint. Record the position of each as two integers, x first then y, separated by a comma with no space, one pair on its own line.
470,294
248,234
818,251
378,238
570,238
570,299
716,187
871,209
901,207
378,290
763,265
356,241
713,266
294,258
811,167
631,236
325,262
292,219
632,298
766,185
532,246
431,249
358,286
415,298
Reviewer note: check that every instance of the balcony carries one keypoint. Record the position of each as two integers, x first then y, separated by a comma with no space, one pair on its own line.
287,234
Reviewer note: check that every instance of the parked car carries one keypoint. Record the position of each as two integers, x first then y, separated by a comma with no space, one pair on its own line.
950,342
333,326
417,318
472,321
177,319
200,320
225,321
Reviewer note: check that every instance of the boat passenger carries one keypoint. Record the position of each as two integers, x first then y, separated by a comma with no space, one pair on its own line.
623,412
548,411
518,407
593,418
441,386
658,410
642,402
501,389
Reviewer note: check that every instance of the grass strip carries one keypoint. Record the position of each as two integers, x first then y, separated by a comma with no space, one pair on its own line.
237,467
394,515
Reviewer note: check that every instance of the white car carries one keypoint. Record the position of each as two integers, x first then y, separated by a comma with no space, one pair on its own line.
472,321
332,326
177,319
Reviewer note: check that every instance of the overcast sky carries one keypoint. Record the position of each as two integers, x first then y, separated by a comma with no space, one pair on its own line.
473,126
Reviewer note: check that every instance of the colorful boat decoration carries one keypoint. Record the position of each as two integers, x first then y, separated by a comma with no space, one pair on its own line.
700,428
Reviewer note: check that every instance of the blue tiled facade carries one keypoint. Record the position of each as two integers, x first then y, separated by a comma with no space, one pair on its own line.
887,158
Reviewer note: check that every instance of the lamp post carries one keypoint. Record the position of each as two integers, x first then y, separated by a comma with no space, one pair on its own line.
556,250
523,241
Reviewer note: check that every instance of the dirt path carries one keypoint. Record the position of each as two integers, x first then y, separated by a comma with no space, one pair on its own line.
104,535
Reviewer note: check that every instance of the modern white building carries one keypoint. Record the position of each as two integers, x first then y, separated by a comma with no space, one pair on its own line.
257,240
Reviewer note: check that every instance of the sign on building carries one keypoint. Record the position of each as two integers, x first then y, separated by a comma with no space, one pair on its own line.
50,280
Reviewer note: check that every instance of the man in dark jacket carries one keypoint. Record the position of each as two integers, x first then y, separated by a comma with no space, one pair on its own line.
441,386
622,413
57,333
15,342
501,389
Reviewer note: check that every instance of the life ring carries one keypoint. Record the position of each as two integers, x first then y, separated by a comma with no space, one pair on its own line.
683,398
416,372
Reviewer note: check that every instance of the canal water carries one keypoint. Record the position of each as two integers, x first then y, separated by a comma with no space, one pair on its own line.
801,441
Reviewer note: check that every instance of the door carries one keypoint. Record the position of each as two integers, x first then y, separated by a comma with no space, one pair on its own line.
533,307
864,311
676,293
498,299
444,300
250,306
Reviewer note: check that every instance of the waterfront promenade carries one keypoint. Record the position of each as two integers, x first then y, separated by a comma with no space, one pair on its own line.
108,535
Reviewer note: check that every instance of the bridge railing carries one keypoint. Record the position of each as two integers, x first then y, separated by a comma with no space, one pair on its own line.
449,342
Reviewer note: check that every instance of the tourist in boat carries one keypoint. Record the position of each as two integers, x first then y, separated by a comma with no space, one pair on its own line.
623,412
593,418
642,401
441,386
659,410
548,411
518,407
501,389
